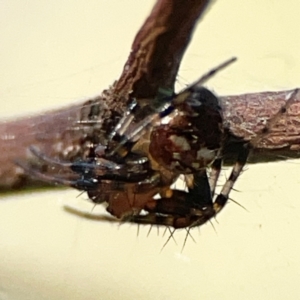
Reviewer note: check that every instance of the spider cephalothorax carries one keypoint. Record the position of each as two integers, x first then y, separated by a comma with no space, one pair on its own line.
148,149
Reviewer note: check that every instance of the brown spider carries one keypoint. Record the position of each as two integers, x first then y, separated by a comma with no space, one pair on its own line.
150,147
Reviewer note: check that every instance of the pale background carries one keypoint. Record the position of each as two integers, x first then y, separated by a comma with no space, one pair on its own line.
55,52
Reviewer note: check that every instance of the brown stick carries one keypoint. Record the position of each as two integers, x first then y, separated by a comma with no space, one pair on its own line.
154,61
159,46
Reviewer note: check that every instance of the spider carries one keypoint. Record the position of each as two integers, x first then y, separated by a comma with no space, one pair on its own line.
154,143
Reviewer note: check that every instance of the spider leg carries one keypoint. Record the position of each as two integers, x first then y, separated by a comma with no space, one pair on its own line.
100,168
195,207
115,193
80,184
77,166
214,175
102,179
223,197
182,96
127,139
177,210
125,121
47,159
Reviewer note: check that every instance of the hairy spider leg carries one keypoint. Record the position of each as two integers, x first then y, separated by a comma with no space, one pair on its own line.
97,169
222,198
125,121
97,178
83,184
100,164
98,191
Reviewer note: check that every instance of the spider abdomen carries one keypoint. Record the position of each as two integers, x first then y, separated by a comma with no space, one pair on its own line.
192,139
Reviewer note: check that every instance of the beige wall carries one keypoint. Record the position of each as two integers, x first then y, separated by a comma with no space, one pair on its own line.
55,52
